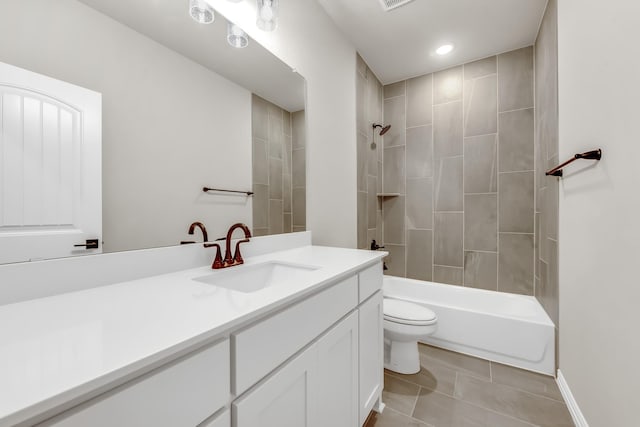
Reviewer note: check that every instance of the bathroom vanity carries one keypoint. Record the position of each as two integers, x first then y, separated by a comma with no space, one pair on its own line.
291,338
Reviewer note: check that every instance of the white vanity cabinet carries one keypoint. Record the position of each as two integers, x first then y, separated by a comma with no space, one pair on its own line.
314,363
183,393
318,388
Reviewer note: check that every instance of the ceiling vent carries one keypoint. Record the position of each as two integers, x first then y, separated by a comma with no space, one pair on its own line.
388,5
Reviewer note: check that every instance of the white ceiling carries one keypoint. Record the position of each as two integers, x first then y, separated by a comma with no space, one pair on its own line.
400,43
169,23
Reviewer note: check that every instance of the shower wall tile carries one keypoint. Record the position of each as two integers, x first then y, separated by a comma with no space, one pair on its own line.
260,206
464,162
394,170
480,68
298,175
259,162
515,79
299,209
481,270
372,202
361,99
286,117
362,220
287,195
450,275
419,254
275,178
447,85
276,217
516,141
259,118
448,230
394,115
481,164
297,229
516,202
552,209
372,155
420,203
361,158
298,129
361,66
515,263
394,89
394,213
447,130
448,184
419,152
419,101
480,105
257,232
286,224
481,222
395,261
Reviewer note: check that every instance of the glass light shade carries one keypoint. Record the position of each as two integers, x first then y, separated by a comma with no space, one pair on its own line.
201,11
267,19
444,49
236,37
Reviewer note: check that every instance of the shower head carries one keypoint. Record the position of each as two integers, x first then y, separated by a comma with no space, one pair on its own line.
383,130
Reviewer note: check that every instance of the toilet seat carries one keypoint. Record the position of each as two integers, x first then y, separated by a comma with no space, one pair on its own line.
407,313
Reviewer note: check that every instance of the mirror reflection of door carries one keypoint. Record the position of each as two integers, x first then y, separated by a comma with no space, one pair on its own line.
50,167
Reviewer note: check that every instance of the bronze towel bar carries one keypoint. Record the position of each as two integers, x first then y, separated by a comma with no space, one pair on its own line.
588,155
247,193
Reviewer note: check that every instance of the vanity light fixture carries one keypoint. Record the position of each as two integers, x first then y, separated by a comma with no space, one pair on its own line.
267,19
444,49
236,36
201,11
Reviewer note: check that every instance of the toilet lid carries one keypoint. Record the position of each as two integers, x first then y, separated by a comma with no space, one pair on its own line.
407,313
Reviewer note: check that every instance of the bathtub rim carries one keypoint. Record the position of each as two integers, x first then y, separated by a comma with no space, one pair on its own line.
543,319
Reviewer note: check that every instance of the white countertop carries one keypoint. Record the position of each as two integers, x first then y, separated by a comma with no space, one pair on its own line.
55,350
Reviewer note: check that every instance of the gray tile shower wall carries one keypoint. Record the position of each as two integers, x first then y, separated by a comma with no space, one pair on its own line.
369,158
278,169
461,153
546,155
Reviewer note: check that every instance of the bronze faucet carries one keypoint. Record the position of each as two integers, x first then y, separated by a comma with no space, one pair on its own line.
192,229
230,261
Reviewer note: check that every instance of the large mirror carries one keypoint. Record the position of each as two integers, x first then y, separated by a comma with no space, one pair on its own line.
180,110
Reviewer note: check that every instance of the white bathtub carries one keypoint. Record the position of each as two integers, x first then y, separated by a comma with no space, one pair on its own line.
505,328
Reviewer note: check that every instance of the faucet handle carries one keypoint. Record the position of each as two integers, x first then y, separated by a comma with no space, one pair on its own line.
217,262
237,257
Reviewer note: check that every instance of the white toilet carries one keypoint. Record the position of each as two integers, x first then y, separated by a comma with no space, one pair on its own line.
404,324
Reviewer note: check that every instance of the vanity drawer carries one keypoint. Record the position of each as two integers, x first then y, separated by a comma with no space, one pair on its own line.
369,281
182,393
262,347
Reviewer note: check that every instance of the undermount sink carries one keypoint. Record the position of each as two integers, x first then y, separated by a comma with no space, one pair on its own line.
252,278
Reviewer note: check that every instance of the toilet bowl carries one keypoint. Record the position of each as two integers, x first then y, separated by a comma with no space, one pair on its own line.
404,324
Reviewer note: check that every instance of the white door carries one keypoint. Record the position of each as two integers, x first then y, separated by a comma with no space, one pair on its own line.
284,400
50,167
338,376
371,336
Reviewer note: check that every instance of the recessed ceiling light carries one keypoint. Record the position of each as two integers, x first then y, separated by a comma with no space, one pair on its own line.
444,49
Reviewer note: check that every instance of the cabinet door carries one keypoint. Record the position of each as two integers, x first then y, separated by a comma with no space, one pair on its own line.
282,400
371,355
337,382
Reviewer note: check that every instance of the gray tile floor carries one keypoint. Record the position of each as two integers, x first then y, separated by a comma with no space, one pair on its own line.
455,390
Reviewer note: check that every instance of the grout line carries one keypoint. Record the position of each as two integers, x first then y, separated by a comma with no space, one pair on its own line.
481,194
448,102
522,171
415,403
517,109
514,232
418,126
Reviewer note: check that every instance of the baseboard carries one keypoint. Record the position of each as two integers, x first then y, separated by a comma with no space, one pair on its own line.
572,405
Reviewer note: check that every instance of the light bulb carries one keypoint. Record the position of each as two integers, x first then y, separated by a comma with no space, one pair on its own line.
236,37
267,19
201,11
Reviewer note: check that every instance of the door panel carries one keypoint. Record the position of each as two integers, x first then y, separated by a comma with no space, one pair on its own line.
50,167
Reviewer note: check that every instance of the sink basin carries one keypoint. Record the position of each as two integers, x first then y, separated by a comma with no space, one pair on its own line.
252,278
